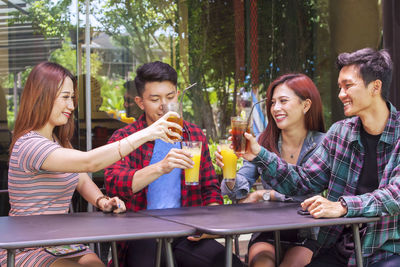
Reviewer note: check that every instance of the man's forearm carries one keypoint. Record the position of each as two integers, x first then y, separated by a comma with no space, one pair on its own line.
145,176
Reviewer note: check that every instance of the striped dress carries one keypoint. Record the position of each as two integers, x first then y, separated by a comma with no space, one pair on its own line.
34,191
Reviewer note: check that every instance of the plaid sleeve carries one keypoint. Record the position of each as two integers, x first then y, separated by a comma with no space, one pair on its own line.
210,189
118,176
384,201
312,176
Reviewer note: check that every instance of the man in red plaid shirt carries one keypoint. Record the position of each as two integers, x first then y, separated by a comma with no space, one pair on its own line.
152,176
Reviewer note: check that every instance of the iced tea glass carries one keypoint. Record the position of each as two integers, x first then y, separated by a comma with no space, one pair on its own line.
192,175
239,127
229,159
176,107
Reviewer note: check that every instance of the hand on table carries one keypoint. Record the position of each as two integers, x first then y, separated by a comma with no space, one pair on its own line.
202,236
320,207
113,204
253,197
257,196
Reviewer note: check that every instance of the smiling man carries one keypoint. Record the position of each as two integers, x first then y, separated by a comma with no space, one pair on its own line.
357,164
151,177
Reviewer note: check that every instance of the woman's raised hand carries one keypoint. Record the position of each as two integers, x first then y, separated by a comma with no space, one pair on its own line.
254,147
161,128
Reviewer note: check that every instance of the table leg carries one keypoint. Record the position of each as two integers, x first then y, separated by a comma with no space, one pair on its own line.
170,256
114,253
158,256
277,238
228,251
357,244
10,257
237,249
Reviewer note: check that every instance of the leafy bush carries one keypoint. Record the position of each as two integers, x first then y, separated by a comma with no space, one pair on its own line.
227,200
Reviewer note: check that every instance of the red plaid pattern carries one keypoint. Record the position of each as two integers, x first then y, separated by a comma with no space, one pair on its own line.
118,177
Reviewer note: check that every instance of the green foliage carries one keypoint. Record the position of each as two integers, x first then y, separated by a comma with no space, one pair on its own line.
8,82
10,119
152,30
48,17
227,200
188,112
212,146
145,25
212,60
66,56
112,92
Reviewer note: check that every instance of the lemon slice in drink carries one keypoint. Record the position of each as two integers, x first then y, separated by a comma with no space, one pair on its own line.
243,114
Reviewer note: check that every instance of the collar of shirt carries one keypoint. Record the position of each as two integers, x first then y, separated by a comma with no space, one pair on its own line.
389,133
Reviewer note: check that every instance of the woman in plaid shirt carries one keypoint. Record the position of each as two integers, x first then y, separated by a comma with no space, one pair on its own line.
295,128
357,162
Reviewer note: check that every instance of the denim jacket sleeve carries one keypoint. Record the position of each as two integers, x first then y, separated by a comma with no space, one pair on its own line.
245,178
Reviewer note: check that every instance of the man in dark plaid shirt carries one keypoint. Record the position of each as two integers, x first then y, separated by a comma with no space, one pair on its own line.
131,177
357,162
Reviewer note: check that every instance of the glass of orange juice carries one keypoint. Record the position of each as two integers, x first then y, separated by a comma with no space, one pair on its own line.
229,159
176,107
192,175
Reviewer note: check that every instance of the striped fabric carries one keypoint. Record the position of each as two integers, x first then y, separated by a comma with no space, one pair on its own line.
34,191
35,257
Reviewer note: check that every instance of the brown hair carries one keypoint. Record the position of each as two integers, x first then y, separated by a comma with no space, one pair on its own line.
304,88
37,100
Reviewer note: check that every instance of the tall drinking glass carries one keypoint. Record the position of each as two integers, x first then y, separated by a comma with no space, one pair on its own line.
192,175
176,107
239,127
229,159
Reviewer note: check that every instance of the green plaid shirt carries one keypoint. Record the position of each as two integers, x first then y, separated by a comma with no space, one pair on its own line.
336,166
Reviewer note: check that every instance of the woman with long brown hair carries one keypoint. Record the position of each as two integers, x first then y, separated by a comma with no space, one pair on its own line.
295,128
45,170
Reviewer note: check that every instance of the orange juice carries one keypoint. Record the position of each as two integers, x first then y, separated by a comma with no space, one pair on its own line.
192,175
194,148
229,159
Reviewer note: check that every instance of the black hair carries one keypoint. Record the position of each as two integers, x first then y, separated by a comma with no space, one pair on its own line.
373,65
154,72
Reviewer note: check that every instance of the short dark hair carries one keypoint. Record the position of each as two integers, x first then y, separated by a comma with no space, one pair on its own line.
154,72
373,65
